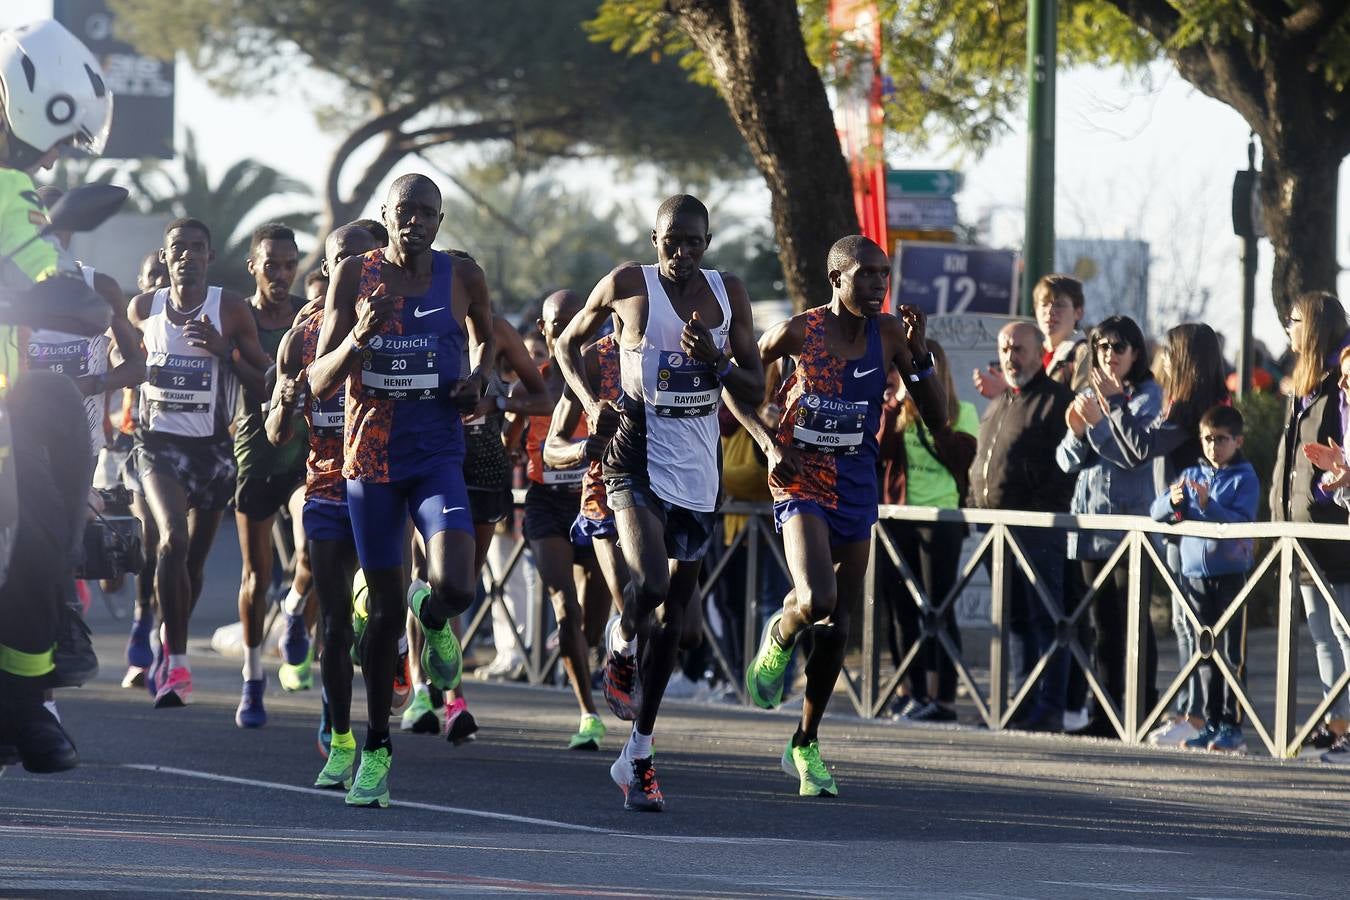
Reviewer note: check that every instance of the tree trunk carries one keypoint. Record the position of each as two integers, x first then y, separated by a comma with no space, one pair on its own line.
778,102
1298,199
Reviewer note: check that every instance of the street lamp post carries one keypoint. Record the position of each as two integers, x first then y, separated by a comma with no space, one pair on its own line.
1038,256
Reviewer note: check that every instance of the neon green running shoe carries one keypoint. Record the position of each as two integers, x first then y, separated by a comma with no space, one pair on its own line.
372,779
298,678
359,614
337,773
766,672
805,764
589,735
442,660
420,716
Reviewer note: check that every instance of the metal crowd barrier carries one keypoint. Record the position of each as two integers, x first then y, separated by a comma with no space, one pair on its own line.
998,548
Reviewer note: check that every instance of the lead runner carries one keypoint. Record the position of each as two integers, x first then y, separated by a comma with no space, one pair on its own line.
822,471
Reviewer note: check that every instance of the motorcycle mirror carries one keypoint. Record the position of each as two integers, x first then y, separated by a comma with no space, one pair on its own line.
84,208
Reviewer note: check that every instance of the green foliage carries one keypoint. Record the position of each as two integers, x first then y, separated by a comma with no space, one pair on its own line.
532,235
956,67
1263,424
229,207
524,70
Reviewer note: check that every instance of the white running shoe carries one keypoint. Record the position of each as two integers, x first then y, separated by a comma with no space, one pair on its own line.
1173,734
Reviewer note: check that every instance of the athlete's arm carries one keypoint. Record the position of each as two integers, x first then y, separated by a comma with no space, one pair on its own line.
559,450
745,378
906,335
783,339
515,422
237,331
600,305
534,400
280,424
126,354
342,334
480,326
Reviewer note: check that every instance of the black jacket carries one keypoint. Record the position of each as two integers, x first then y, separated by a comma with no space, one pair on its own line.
1293,497
1015,464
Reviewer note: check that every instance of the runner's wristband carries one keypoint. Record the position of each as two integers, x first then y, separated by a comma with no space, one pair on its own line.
726,368
356,346
926,371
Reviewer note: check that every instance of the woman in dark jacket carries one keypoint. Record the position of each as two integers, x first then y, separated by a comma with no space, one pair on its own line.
1193,381
1109,484
1316,326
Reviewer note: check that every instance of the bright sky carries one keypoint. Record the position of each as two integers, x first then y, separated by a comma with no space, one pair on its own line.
1154,163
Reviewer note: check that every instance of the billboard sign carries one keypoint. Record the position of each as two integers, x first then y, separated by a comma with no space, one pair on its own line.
946,279
142,86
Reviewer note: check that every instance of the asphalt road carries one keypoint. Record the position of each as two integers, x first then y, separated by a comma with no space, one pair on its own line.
182,802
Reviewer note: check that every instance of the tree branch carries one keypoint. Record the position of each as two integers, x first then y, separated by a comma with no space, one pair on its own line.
1224,71
1309,26
1158,17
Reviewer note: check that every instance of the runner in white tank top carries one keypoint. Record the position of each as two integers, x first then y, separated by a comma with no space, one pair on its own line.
198,341
685,334
87,359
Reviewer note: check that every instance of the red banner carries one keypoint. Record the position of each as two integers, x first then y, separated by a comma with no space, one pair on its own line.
858,111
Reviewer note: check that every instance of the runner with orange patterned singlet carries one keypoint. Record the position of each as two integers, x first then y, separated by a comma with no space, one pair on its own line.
822,472
552,503
594,526
396,323
327,524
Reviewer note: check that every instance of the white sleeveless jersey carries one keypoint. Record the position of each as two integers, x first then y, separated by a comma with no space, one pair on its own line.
679,396
75,355
185,387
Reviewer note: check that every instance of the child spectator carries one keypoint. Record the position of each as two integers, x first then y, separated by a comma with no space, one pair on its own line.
1223,488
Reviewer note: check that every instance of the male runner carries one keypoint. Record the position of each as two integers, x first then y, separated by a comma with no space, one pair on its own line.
327,525
200,342
316,286
822,472
594,526
269,478
394,330
99,364
552,504
674,324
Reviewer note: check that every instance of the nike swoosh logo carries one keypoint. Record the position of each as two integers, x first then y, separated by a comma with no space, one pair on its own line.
449,509
419,312
858,373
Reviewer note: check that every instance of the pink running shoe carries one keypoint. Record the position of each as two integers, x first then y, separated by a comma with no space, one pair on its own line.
176,689
460,726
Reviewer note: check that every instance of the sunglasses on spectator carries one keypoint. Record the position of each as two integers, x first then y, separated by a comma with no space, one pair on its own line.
1118,346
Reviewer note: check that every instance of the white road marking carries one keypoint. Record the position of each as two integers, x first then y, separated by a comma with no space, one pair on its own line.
409,804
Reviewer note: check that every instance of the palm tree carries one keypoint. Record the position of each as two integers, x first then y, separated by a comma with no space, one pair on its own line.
229,207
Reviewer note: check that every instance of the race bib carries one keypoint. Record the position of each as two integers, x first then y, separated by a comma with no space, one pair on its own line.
685,387
65,358
827,425
561,477
181,383
401,367
327,416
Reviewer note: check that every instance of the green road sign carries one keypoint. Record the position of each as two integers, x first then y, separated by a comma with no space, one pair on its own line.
922,182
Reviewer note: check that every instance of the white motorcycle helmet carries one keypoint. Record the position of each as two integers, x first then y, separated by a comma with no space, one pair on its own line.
51,91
